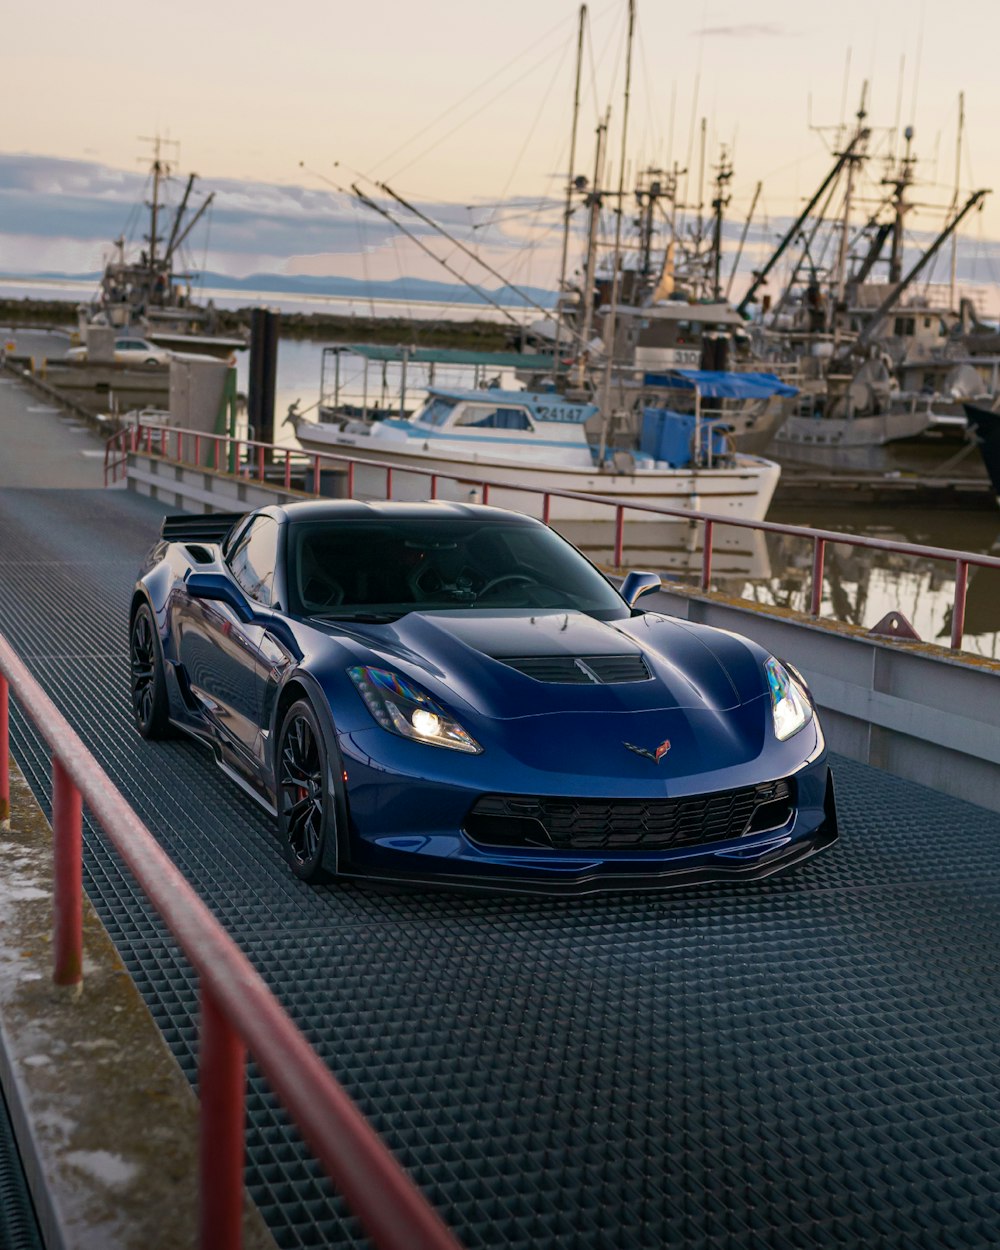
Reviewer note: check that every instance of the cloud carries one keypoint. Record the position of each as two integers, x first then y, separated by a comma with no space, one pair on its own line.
745,30
250,226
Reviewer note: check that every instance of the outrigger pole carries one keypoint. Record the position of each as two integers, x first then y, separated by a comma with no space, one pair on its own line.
382,212
792,232
384,186
897,290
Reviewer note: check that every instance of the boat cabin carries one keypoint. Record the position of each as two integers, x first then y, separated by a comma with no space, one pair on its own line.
491,423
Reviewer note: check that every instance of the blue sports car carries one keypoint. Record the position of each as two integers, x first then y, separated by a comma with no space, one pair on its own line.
451,694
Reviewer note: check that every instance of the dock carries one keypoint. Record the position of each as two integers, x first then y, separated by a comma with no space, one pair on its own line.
809,1061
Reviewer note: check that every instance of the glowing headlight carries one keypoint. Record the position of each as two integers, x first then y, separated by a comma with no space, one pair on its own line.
404,708
790,704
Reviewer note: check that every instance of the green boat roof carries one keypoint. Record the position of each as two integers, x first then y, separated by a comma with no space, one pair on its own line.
444,356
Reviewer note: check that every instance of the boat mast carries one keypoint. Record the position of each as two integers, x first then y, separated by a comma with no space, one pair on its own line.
609,343
954,202
570,183
845,229
593,225
722,177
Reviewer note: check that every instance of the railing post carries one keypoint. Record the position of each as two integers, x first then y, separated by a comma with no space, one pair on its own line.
67,895
958,610
388,481
218,446
4,753
221,1085
316,474
546,508
434,486
486,492
619,535
260,463
288,469
197,451
706,556
816,596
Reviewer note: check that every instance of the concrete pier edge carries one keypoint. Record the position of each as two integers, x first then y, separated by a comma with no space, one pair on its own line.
106,1123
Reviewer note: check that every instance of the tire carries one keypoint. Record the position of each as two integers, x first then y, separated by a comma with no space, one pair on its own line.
306,802
152,361
150,705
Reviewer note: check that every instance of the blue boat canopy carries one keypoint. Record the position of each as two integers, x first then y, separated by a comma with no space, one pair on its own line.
715,384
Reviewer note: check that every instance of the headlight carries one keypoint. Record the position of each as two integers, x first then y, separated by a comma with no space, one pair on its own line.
404,708
790,704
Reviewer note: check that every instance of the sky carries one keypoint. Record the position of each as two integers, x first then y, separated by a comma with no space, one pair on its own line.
464,106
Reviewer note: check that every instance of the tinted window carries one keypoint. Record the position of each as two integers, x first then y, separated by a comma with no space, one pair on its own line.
378,566
254,558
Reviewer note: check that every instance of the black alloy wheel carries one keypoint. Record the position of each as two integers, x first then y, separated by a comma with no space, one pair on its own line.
150,705
307,813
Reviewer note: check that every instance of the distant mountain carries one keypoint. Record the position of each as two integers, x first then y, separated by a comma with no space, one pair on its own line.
415,289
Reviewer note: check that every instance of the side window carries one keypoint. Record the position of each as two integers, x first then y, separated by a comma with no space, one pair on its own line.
254,559
495,418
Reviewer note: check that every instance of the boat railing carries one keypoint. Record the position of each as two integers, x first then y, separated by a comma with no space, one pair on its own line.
271,464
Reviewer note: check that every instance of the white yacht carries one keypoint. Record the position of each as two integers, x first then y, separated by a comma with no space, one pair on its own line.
547,442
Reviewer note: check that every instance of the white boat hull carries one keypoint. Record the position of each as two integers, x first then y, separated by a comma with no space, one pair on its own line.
744,490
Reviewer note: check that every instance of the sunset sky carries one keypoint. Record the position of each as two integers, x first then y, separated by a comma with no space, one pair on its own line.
462,103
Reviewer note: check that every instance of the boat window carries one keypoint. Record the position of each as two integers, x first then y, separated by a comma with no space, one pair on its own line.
436,412
490,418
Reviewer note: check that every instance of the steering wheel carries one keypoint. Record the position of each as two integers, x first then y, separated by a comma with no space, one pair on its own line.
323,593
507,579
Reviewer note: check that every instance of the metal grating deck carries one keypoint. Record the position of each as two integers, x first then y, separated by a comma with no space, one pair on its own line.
18,1225
812,1061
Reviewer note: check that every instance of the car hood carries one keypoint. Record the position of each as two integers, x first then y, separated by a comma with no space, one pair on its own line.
483,660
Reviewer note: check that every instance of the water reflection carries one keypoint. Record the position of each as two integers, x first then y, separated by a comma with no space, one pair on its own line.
860,586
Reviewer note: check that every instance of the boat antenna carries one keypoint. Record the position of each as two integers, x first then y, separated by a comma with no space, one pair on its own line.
609,347
570,180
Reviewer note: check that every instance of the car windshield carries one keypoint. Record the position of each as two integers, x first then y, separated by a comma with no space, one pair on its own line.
386,568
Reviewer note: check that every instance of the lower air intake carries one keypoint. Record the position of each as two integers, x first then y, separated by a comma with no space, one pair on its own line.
629,824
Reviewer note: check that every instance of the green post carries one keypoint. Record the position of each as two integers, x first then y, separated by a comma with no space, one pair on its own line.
225,422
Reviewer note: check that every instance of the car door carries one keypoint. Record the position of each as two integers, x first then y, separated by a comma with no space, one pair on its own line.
220,653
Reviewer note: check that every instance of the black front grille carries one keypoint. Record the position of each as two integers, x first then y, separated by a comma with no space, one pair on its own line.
629,824
580,670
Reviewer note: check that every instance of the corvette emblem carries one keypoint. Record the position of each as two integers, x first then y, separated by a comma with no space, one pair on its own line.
655,756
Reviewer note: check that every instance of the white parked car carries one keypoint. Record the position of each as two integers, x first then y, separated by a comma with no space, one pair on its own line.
130,351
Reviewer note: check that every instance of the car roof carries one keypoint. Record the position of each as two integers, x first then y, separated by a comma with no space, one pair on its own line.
354,510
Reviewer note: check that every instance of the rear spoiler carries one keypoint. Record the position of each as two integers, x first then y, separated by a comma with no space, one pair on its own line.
199,529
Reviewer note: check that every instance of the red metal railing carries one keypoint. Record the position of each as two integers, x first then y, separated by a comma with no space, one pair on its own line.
157,440
238,1011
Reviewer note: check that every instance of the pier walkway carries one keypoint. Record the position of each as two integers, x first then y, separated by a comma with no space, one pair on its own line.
804,1062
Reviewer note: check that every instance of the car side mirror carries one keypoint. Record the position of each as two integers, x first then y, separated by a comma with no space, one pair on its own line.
218,587
637,584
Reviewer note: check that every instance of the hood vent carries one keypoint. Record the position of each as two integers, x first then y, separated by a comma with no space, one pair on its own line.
583,670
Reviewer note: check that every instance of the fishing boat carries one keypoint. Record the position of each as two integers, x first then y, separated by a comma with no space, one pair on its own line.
546,441
985,424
